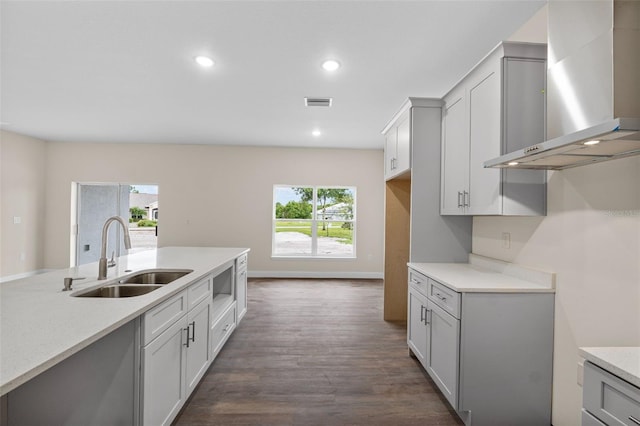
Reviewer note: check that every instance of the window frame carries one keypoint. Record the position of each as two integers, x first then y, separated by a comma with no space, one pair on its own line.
315,222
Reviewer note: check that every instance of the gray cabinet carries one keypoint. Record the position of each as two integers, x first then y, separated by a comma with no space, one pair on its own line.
607,399
241,286
417,324
397,147
490,354
176,351
498,107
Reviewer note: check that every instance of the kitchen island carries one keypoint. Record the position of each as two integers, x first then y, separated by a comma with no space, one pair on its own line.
44,329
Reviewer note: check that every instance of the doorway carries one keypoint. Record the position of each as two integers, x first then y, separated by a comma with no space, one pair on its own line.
96,202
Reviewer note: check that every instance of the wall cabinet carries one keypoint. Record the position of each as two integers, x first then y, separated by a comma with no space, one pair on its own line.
498,107
414,229
490,354
397,147
607,399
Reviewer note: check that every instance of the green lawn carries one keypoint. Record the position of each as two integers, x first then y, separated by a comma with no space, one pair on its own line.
333,230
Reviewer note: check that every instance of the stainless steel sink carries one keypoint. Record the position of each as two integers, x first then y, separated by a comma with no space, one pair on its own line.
136,284
155,277
118,290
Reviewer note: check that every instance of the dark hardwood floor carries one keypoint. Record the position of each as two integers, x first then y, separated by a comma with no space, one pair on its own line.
316,352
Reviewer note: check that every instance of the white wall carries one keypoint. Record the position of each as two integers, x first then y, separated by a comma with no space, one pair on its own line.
22,182
591,239
221,196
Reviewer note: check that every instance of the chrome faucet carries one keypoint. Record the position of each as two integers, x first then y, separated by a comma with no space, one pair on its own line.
102,265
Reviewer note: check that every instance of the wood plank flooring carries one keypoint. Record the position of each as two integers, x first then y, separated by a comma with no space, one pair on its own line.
316,352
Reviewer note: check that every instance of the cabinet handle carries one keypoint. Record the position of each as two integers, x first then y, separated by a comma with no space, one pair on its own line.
459,196
193,331
426,317
441,297
415,281
634,420
226,327
466,199
187,330
422,318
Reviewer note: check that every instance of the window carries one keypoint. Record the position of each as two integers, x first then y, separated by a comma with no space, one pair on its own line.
311,221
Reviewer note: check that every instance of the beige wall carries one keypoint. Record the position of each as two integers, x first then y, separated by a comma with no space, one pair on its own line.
591,239
22,176
221,196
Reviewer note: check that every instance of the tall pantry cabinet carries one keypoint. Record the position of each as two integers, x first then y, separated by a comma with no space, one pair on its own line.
498,107
414,229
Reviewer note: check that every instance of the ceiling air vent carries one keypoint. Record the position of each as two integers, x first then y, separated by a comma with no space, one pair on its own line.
318,102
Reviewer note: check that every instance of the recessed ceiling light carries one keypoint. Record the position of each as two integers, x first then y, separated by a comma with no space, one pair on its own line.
331,65
591,142
316,133
513,163
204,61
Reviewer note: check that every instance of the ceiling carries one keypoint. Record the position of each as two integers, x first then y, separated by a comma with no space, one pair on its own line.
123,71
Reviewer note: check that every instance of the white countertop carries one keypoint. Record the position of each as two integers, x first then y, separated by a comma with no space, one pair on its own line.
487,275
40,325
623,362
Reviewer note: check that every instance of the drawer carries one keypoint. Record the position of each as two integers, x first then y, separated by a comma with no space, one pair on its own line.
199,291
160,318
610,399
222,329
589,420
241,262
418,281
444,297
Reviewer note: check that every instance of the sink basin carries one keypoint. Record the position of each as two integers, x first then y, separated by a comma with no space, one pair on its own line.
118,290
155,277
136,284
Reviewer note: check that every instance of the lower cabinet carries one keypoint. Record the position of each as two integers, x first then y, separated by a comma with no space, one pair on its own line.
490,354
416,326
607,399
443,348
241,286
173,364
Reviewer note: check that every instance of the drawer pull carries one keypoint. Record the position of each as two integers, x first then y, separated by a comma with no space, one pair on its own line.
422,313
415,281
441,297
187,330
634,420
193,331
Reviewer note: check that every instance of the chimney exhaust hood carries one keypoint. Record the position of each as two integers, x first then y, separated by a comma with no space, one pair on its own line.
612,139
593,87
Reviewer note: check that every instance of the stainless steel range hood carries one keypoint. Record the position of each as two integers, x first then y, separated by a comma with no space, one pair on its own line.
593,76
613,139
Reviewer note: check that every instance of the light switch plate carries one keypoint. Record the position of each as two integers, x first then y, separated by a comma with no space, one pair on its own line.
506,240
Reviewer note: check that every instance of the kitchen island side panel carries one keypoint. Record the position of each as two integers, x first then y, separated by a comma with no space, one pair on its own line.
506,360
96,386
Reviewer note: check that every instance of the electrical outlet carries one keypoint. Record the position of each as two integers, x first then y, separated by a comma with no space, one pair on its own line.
17,220
506,240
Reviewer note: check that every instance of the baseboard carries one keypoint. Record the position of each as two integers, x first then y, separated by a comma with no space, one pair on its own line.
23,275
317,274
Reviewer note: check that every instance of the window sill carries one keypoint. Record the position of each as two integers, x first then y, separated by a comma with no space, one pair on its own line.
289,257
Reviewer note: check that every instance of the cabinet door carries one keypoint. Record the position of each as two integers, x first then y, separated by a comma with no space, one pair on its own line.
443,344
198,351
485,141
391,139
163,372
416,329
241,294
455,156
403,146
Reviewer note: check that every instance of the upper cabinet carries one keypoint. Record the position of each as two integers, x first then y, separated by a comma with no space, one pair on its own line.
399,138
499,106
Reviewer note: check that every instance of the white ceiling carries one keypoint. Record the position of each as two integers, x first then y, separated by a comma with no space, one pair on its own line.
123,71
